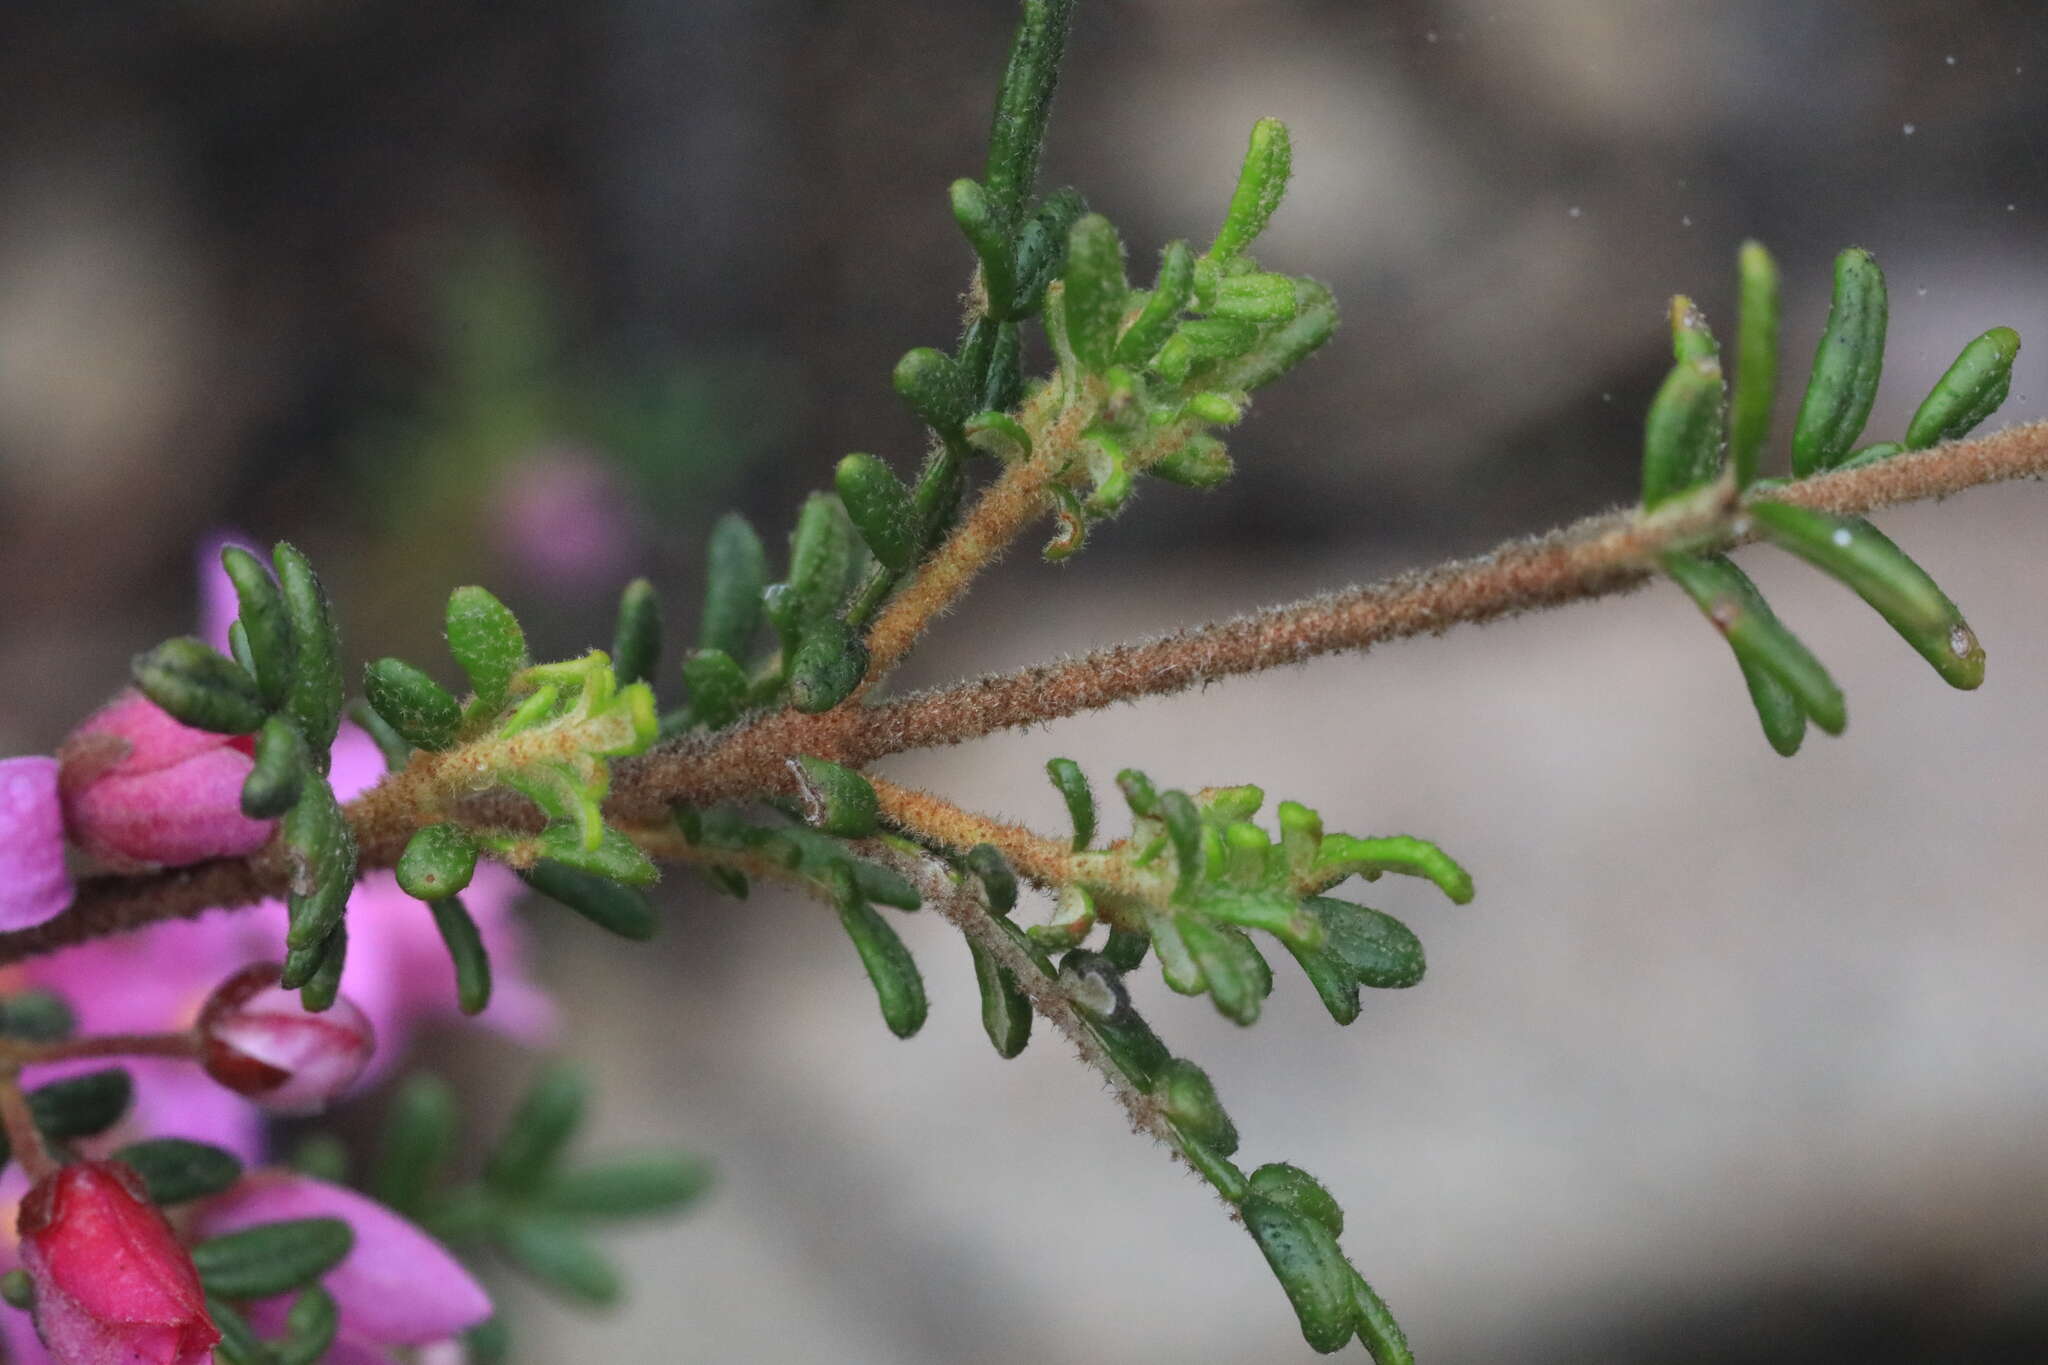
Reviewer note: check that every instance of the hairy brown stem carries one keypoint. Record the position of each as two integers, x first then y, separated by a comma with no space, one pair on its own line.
1598,556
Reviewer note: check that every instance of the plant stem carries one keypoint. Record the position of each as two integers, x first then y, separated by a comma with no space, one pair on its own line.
16,1053
24,1139
1602,555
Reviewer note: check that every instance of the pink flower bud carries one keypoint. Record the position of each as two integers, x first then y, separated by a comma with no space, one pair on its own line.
142,791
256,1039
112,1284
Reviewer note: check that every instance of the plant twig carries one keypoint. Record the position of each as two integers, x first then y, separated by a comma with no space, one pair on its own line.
1602,555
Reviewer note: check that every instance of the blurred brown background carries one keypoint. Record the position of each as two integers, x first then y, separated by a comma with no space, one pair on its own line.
1733,1059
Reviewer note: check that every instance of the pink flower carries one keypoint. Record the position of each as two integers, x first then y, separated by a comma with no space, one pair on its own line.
112,1284
257,1039
398,1287
34,885
142,791
563,516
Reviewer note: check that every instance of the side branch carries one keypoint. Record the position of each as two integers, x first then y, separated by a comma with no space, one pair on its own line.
1601,555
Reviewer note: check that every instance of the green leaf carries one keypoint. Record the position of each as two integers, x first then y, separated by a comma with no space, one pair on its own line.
239,1344
1096,290
17,1290
309,1327
1282,348
81,1106
1005,1010
1254,298
1292,1187
836,800
1072,784
1381,1336
1023,103
466,951
488,1343
1138,792
827,666
316,693
821,561
1184,831
36,1016
393,747
1970,390
320,987
1161,311
1336,984
1126,948
530,1148
177,1169
636,637
555,1254
1756,361
1691,338
271,1258
939,391
418,1137
1201,463
997,434
898,985
736,571
1261,184
1187,1095
1316,1278
273,784
266,631
1845,367
200,688
717,687
1682,435
879,506
425,713
884,886
1042,249
1238,977
988,233
1097,989
622,910
1865,561
616,858
1343,855
1779,668
998,881
1380,951
626,1187
487,641
321,853
438,862
1202,341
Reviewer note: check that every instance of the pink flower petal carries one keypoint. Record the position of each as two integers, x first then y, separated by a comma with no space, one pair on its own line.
398,1287
174,816
33,883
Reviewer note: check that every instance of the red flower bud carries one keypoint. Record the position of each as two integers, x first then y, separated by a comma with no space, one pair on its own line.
258,1040
112,1285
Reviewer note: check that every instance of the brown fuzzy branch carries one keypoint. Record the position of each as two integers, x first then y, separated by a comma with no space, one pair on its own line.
1601,555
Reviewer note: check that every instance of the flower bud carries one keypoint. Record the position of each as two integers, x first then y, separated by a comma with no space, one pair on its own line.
112,1284
141,791
259,1040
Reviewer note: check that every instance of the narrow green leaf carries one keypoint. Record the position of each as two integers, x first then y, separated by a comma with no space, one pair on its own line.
1042,250
879,506
1846,367
988,233
1005,1010
1162,308
1292,1187
1336,984
36,1016
1184,829
266,631
1377,1331
998,881
1691,338
636,636
1072,785
1097,990
1096,290
1261,184
316,693
936,388
487,641
1203,341
200,688
309,1327
1254,298
1682,435
272,785
1023,103
1187,1095
1281,348
1317,1283
717,687
1202,463
438,862
627,1187
1343,855
1865,561
319,989
1138,793
418,1137
239,1344
898,985
530,1148
1380,951
827,666
17,1290
472,962
1756,361
177,1169
555,1254
271,1258
81,1106
1766,649
321,851
1970,391
880,885
836,800
736,571
622,910
999,435
390,744
616,858
1126,948
1237,976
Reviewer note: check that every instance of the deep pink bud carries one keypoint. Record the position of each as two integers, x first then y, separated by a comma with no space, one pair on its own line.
112,1284
143,791
258,1040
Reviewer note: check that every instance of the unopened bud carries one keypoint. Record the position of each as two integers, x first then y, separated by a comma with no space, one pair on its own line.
259,1040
